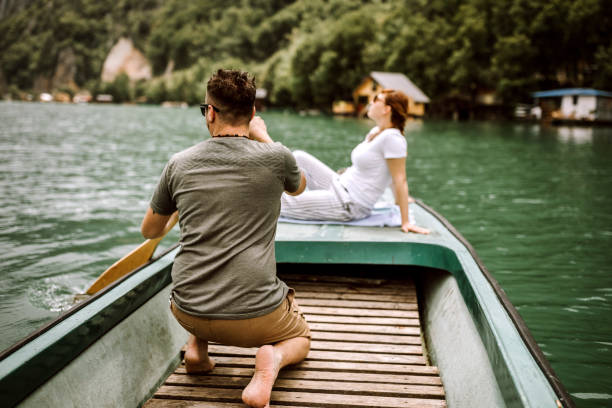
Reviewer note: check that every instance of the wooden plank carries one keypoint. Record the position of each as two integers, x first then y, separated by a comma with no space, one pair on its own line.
379,321
289,373
222,371
345,387
344,311
366,351
365,328
366,347
365,337
341,346
355,296
172,403
345,401
316,345
406,292
362,377
302,398
366,367
352,366
198,393
372,290
329,355
359,304
340,279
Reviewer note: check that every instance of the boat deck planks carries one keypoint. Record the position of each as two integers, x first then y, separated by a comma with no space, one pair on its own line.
366,351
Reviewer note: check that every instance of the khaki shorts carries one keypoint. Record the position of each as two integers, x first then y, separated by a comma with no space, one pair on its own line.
286,322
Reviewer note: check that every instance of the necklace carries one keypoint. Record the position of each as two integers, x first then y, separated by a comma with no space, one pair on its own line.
231,136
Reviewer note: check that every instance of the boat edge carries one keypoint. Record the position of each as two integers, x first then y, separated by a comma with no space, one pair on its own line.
515,317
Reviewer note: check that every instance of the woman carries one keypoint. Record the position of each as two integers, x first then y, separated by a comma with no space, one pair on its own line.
378,161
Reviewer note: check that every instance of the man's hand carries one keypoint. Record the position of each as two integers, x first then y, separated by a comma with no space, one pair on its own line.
407,227
258,130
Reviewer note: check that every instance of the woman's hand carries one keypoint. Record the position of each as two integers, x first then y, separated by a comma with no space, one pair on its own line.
258,130
408,227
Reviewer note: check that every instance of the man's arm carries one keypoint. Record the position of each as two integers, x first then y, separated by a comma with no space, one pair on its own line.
301,188
258,130
154,225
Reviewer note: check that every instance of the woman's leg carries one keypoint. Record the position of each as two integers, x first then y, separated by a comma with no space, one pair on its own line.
318,175
314,205
319,201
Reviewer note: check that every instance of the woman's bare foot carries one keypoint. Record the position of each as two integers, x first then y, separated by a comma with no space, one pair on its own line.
197,360
267,364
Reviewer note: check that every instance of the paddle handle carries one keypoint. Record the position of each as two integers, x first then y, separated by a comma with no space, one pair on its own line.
131,261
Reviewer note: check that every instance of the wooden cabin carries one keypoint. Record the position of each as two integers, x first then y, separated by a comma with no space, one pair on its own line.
573,104
377,81
261,99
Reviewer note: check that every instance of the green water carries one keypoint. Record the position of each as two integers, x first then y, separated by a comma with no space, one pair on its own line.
534,202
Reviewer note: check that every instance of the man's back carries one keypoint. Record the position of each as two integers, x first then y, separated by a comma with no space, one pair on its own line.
227,191
227,194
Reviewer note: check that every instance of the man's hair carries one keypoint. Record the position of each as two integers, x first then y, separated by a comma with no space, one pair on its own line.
233,93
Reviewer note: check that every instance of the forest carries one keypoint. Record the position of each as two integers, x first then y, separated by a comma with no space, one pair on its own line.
308,53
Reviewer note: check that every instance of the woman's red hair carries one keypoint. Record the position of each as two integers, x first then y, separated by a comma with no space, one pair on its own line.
398,101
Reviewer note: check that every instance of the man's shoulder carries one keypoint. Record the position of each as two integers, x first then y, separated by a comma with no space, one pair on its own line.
188,152
279,147
275,149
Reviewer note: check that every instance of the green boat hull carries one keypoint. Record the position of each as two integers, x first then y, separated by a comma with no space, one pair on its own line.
117,347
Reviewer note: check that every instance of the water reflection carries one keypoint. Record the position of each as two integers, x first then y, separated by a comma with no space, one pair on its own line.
577,135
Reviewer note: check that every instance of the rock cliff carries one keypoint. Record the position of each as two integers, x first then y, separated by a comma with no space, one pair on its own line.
66,69
125,58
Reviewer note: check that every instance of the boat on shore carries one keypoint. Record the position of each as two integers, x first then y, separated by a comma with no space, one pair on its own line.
119,346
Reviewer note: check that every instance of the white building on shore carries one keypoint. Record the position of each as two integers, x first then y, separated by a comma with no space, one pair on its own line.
574,104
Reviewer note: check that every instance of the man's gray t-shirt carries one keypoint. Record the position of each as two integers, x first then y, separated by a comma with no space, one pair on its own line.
227,191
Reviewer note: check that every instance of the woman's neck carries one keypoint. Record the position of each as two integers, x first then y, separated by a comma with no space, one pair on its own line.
384,123
381,128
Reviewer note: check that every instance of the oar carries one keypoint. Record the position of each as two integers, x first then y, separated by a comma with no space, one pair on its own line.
131,261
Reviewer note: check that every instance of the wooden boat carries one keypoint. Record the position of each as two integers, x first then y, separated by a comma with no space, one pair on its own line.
464,345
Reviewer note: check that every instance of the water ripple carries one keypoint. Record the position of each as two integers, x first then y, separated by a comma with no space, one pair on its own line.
534,202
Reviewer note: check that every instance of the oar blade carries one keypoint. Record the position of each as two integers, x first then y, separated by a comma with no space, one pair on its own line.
125,265
131,261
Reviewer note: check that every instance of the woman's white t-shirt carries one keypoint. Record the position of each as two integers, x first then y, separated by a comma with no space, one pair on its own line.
369,176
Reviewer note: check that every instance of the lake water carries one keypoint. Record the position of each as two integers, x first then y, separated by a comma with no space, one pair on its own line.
534,202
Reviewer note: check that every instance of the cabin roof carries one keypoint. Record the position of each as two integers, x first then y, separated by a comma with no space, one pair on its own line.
399,81
557,93
261,93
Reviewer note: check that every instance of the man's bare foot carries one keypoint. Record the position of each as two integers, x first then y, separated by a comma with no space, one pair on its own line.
193,366
257,393
197,360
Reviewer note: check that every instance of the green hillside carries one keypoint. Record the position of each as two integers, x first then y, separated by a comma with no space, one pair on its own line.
308,53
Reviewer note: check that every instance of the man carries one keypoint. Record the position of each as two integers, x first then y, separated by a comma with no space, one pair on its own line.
227,192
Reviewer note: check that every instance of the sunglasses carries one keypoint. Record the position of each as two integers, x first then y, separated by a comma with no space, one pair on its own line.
204,108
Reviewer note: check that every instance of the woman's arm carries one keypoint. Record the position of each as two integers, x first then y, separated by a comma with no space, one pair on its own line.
397,168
